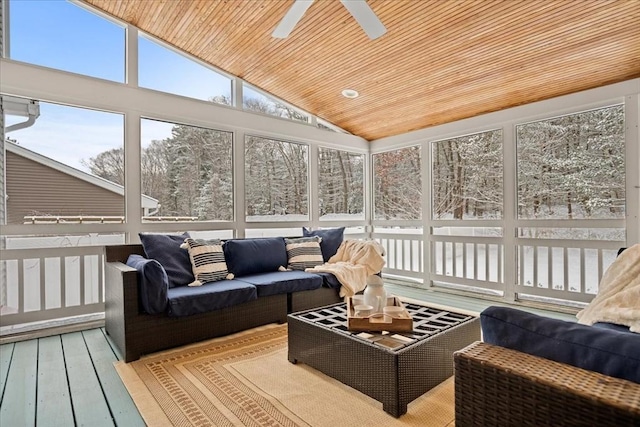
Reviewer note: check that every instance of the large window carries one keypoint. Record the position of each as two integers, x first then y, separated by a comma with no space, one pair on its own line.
52,157
62,35
467,177
188,170
572,167
397,184
253,100
340,184
276,180
66,167
163,69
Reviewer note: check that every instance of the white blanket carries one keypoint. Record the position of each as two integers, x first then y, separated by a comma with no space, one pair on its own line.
354,261
618,298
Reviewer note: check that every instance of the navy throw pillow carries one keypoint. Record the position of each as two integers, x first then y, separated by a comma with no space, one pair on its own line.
331,240
153,283
609,352
253,256
165,248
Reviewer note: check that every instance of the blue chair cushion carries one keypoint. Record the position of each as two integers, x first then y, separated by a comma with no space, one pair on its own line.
609,352
329,280
612,326
153,283
251,256
165,248
283,282
186,300
331,240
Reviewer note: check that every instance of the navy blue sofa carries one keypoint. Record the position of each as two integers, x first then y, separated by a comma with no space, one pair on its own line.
148,306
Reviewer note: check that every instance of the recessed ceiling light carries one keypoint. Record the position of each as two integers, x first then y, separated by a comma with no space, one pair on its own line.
350,93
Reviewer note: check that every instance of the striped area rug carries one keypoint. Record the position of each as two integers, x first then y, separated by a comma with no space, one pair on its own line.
245,379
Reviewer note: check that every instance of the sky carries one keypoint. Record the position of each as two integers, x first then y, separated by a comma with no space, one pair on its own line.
65,36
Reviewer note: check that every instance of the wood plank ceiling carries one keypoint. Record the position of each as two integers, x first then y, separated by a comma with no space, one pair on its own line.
440,60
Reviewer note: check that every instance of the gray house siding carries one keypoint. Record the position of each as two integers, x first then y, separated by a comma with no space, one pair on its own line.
35,189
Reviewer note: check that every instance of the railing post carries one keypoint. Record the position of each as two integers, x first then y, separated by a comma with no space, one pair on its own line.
509,213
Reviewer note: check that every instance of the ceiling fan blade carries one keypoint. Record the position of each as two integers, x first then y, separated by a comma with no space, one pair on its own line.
365,16
291,18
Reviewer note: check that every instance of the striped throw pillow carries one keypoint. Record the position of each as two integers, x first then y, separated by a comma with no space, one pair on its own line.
207,260
304,252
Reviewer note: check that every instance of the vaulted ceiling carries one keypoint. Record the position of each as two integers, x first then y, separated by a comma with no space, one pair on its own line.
440,60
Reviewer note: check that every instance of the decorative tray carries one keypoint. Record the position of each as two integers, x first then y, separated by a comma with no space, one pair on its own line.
401,322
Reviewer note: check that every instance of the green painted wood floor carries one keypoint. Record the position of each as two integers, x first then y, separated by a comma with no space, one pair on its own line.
63,380
69,379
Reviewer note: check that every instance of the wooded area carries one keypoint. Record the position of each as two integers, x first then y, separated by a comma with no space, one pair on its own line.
573,166
191,173
397,184
467,177
568,167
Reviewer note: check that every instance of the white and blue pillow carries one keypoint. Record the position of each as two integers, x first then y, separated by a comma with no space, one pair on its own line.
207,260
303,252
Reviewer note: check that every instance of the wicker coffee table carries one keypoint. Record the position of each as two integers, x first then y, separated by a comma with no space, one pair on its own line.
393,368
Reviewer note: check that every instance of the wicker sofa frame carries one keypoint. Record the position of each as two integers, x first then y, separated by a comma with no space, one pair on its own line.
499,386
136,333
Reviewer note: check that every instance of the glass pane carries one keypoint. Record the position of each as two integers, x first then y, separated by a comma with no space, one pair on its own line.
397,184
340,184
211,234
271,232
276,180
253,100
572,167
325,127
612,234
188,170
467,177
468,231
66,167
163,69
61,35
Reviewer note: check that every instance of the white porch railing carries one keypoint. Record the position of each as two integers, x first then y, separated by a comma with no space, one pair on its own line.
46,284
469,261
52,283
554,271
565,270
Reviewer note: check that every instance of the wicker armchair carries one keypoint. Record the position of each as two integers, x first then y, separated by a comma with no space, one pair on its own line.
495,386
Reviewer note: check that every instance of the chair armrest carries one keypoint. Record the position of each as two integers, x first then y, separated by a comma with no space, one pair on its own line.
121,304
121,283
499,386
120,266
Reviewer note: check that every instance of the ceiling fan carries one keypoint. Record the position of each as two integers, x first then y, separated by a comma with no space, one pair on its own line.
359,9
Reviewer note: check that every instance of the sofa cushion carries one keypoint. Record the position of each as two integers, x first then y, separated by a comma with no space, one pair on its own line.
612,326
165,248
207,260
329,280
331,240
252,256
282,282
612,353
303,252
153,283
186,301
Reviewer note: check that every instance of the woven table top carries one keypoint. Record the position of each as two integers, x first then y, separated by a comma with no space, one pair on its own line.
427,322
